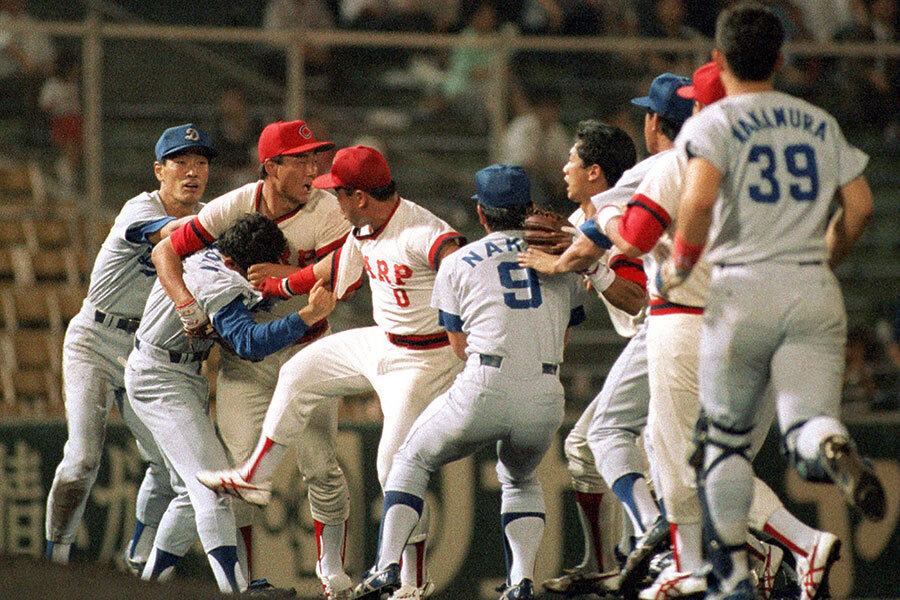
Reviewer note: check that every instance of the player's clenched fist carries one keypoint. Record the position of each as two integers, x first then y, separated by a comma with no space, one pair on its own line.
259,272
321,303
273,287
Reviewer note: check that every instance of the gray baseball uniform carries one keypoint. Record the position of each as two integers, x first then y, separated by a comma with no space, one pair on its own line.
509,392
95,339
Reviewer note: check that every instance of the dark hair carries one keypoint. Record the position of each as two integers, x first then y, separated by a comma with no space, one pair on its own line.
504,218
667,126
384,192
609,147
750,36
262,166
251,240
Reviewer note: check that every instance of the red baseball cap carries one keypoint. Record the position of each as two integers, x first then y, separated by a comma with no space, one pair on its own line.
357,167
288,137
707,85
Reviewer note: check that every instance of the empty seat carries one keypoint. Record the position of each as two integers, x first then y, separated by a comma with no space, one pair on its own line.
12,232
55,232
36,307
64,265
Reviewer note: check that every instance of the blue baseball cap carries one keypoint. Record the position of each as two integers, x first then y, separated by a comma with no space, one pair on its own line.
183,137
500,186
663,98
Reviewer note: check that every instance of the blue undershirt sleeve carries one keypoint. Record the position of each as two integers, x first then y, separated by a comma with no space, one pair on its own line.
577,316
252,340
138,235
449,321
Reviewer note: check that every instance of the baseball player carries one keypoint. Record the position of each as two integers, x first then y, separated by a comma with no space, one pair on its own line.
103,331
509,325
169,394
604,440
775,314
313,225
672,341
406,358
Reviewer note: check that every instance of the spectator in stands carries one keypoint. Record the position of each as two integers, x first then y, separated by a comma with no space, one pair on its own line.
399,15
312,15
870,88
26,59
668,20
60,100
562,17
234,135
537,141
859,372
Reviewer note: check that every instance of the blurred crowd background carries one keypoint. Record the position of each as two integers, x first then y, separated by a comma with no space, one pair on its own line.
443,88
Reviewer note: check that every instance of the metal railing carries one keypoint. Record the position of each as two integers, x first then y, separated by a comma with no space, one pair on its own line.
93,32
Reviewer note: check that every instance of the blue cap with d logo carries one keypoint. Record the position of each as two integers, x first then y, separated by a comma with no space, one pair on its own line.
184,137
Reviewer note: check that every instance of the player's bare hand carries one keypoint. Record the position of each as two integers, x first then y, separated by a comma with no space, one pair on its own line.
321,303
537,260
258,272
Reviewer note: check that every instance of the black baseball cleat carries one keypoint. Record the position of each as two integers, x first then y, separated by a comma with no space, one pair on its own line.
262,589
524,590
377,583
652,542
856,479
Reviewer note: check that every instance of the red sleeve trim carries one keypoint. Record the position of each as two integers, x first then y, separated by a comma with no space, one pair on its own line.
320,252
438,245
190,237
335,263
643,223
629,268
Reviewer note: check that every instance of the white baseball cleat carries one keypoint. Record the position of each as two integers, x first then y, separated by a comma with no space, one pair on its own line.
673,584
577,581
231,482
410,592
767,568
812,571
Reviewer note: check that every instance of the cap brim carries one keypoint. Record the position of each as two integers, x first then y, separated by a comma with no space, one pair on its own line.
206,151
326,182
311,147
643,101
686,91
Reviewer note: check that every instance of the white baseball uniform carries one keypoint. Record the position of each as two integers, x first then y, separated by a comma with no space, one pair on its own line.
101,333
244,388
170,395
509,393
406,358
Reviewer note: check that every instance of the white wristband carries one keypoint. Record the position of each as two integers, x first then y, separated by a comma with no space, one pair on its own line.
602,278
605,215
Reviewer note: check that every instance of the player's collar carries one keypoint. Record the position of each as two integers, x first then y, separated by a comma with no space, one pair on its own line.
374,234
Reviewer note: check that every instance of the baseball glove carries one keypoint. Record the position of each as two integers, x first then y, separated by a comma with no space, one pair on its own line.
548,231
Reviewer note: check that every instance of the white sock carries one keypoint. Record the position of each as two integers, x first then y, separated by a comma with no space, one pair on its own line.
264,461
412,566
331,540
60,553
794,533
814,432
523,536
397,524
687,541
140,550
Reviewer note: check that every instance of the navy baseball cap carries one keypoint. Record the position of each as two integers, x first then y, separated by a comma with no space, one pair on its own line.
183,137
501,186
663,98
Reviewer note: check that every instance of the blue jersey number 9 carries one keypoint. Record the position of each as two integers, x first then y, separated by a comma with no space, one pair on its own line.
801,163
530,283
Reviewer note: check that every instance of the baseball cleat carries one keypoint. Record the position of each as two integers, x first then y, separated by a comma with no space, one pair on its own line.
132,566
375,583
336,587
744,590
262,589
524,590
813,570
231,482
656,539
856,480
574,582
410,592
673,584
767,568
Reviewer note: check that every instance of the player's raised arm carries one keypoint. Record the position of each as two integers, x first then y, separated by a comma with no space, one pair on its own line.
171,277
848,223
